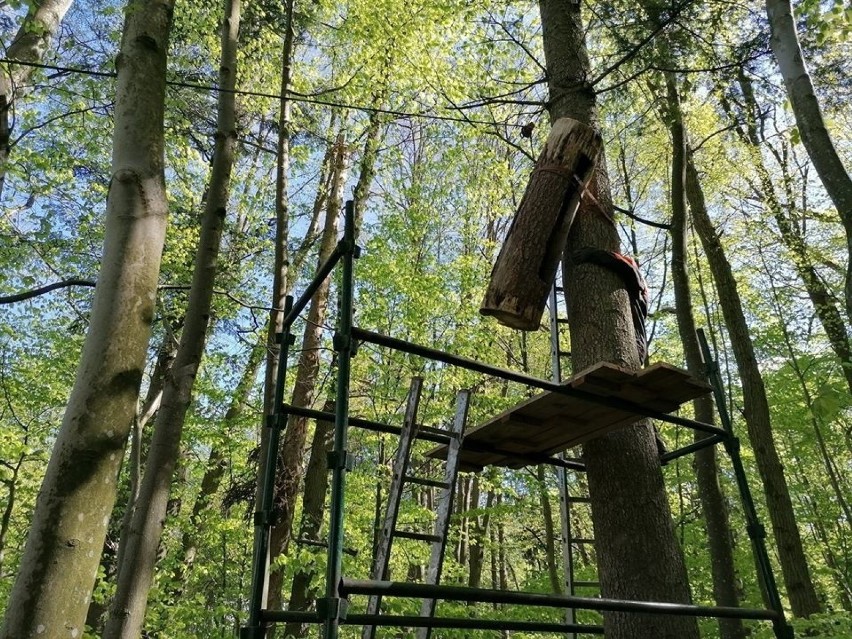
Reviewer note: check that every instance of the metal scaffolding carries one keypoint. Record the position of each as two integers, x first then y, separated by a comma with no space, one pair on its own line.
332,609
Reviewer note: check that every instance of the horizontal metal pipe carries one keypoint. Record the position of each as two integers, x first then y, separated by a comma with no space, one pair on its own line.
459,593
712,440
502,373
429,435
322,273
284,616
412,621
466,623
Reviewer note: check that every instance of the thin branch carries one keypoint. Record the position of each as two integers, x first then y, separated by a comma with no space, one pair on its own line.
61,116
636,48
25,295
633,216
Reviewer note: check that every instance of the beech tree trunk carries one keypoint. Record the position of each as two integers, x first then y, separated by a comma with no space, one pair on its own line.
716,520
794,566
57,571
806,109
554,572
136,572
29,45
638,553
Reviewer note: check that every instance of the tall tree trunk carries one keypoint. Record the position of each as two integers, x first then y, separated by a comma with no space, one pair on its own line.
136,572
292,447
824,302
638,553
815,137
281,283
716,520
54,584
480,525
110,557
217,464
29,45
794,566
302,593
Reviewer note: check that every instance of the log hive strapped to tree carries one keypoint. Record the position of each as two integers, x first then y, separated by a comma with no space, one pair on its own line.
525,268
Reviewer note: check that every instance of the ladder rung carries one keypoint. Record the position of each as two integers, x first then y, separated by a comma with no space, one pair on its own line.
564,353
581,540
405,534
586,584
579,500
559,289
420,481
562,320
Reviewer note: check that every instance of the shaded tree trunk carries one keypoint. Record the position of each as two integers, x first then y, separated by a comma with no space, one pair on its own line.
59,564
716,520
281,283
638,553
29,45
304,592
806,109
794,567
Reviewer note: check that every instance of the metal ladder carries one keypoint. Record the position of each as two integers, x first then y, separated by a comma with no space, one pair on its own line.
567,501
389,530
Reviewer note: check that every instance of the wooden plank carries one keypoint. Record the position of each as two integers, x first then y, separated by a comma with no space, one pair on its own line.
550,422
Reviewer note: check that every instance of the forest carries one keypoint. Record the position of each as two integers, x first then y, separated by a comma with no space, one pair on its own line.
172,174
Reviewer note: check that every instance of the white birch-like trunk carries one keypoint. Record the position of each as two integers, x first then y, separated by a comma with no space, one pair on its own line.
806,109
28,45
57,572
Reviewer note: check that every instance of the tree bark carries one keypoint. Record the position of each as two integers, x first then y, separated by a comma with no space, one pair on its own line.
136,572
292,448
526,265
638,553
716,520
794,567
29,45
303,592
815,137
51,593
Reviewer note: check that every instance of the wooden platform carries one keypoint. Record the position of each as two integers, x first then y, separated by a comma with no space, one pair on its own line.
550,422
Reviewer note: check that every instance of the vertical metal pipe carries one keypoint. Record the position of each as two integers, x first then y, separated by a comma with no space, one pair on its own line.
343,345
556,363
755,529
263,517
